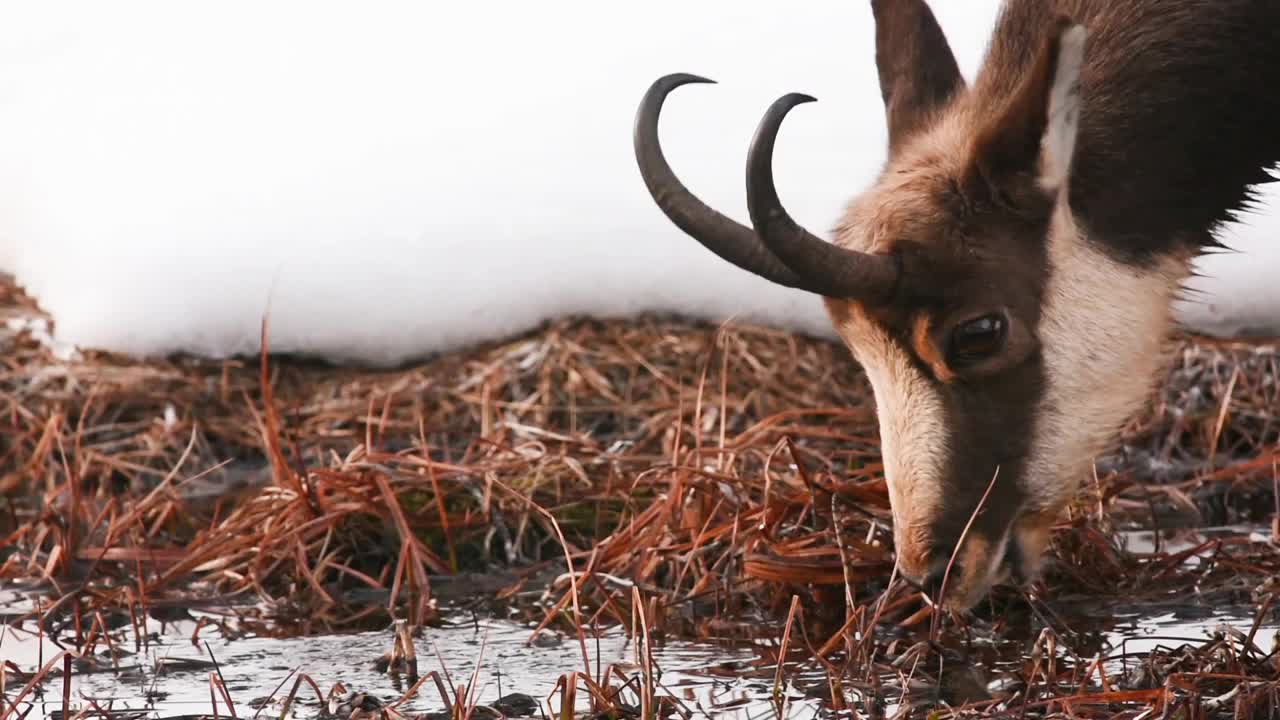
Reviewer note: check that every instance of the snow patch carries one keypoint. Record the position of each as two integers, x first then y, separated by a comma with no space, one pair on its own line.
397,178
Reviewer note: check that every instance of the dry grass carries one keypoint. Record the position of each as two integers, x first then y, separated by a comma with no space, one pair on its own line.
699,479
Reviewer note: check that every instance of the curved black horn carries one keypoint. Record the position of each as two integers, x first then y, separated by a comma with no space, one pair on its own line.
833,270
721,235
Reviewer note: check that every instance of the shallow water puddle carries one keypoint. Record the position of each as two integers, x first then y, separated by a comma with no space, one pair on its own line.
170,678
1138,632
709,680
1179,539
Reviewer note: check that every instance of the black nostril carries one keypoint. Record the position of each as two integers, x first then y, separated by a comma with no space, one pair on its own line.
932,583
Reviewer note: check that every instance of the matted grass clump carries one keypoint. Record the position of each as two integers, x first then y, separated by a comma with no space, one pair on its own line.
717,482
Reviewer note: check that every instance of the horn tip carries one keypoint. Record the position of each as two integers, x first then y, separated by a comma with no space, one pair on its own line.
674,80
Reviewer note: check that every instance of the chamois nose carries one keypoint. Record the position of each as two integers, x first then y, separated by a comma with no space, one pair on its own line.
932,582
973,570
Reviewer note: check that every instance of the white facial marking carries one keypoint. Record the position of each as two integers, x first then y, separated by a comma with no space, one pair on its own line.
1104,325
1064,110
1104,330
913,434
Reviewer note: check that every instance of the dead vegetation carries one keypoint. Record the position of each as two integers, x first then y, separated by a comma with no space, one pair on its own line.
714,483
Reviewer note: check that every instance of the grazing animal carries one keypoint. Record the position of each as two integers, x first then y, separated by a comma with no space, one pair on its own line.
1007,282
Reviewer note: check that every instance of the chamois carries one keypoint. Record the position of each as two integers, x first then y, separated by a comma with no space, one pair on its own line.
1007,282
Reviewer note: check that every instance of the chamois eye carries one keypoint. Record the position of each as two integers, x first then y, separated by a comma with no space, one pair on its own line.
976,340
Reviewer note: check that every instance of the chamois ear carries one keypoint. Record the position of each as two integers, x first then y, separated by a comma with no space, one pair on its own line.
1034,133
918,73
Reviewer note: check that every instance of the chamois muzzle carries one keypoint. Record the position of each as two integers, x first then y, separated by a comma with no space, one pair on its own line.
787,255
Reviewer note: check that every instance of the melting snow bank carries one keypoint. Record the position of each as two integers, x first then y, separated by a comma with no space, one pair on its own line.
1238,293
399,178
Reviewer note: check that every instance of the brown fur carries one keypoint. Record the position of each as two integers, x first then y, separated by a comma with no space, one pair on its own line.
917,72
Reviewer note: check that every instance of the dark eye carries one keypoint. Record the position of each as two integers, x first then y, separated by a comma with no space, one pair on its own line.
976,340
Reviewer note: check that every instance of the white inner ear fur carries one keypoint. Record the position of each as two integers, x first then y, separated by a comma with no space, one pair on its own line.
1064,110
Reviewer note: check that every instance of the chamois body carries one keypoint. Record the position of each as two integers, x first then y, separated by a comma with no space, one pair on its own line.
1007,282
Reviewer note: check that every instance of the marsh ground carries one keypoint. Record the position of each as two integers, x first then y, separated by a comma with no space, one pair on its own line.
683,499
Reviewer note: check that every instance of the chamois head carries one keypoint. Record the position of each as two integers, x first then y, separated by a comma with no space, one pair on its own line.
1003,347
